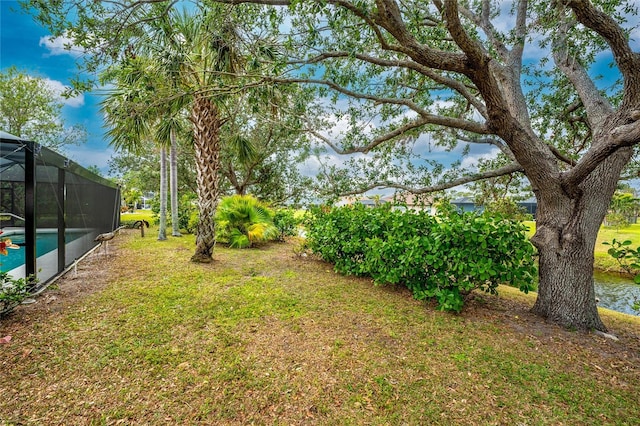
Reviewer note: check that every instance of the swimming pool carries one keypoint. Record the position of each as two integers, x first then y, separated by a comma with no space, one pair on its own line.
46,241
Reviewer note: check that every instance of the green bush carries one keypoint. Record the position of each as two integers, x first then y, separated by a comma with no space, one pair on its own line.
286,222
442,258
188,213
13,291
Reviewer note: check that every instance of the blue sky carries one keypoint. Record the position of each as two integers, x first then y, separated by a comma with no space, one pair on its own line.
26,45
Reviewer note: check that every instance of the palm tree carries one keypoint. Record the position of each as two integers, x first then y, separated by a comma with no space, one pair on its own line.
173,183
130,124
162,231
200,52
194,63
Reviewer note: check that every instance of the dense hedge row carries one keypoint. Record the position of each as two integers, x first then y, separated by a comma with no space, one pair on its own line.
443,257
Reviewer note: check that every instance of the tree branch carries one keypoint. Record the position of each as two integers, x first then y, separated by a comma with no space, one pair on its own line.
502,171
521,33
596,106
490,141
473,49
625,135
560,156
390,18
371,23
377,141
488,28
628,61
427,117
426,71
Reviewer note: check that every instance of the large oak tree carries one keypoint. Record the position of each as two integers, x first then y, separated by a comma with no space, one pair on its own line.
457,70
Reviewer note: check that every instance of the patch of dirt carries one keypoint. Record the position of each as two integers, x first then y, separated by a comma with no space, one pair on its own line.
517,317
90,275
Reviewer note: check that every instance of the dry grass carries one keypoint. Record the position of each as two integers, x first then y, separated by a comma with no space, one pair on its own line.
143,336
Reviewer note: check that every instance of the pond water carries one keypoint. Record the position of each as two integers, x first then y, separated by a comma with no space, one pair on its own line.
615,292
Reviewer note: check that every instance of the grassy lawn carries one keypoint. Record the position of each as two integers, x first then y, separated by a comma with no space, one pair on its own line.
137,215
262,336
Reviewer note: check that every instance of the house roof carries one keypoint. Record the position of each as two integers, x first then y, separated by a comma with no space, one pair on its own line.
362,200
463,200
409,199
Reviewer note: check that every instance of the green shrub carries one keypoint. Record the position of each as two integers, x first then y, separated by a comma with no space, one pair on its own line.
242,221
508,208
442,258
286,222
188,213
192,223
13,291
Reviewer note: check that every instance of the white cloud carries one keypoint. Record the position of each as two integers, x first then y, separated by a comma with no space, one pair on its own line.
58,89
62,45
470,162
313,164
86,156
340,127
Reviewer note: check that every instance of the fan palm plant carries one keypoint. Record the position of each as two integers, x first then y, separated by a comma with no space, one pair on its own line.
243,221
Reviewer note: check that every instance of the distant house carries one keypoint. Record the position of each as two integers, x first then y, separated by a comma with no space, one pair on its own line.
365,201
466,204
409,201
530,205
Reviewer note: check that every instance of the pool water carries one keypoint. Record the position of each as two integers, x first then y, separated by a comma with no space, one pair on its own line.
45,242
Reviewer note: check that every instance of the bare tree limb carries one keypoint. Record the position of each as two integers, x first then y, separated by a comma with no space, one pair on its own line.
426,71
628,61
596,106
502,171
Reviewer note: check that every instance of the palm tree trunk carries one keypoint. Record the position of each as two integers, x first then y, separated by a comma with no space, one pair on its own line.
173,174
206,131
162,232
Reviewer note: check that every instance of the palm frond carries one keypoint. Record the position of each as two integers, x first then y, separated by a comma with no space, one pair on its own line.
244,215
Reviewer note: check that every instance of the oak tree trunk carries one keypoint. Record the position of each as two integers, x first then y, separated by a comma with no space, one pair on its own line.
206,127
566,291
567,228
